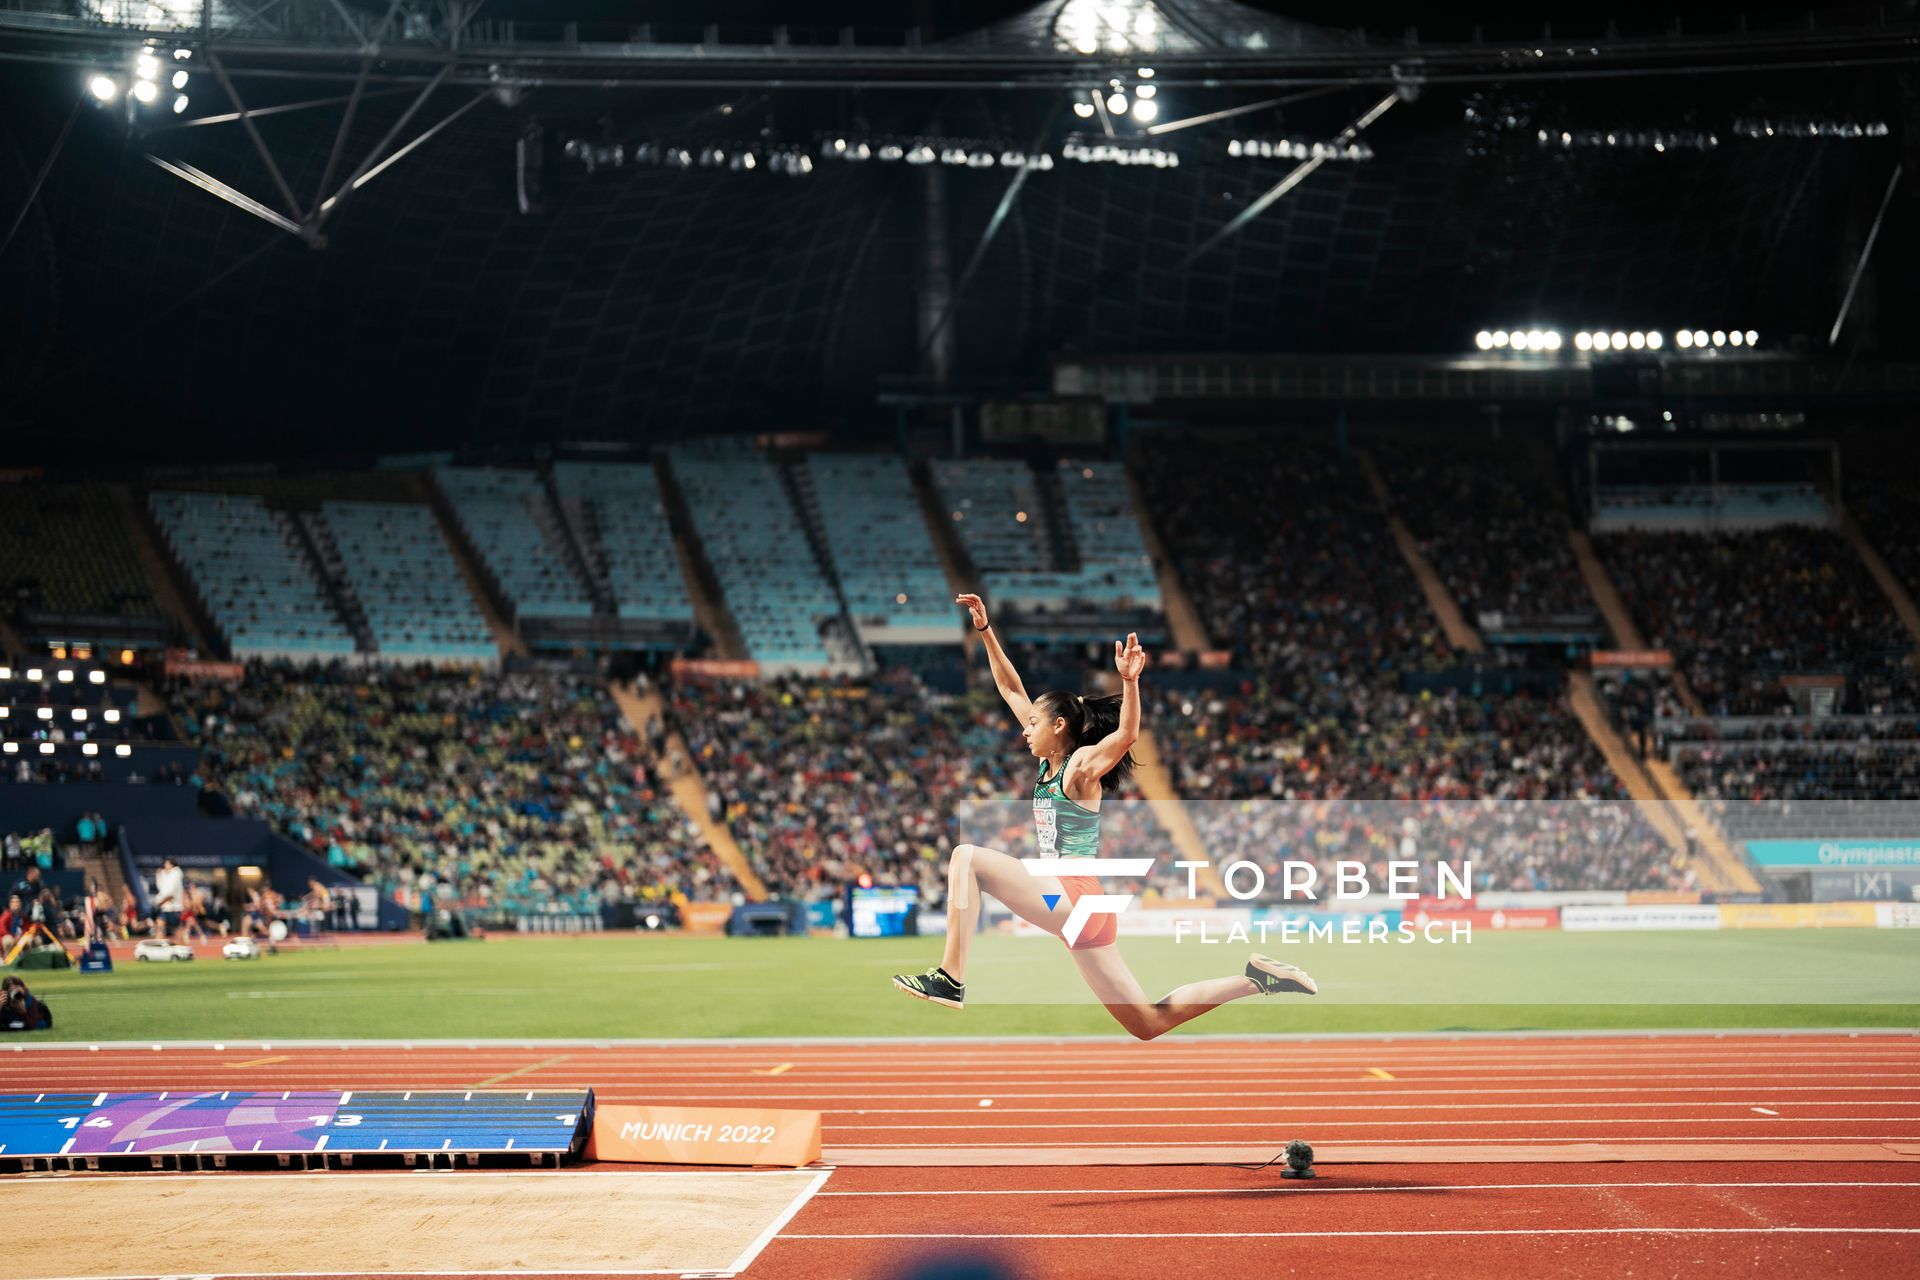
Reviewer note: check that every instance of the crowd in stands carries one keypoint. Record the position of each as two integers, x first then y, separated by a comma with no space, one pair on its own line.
1320,754
1490,521
1882,493
1505,781
1740,610
821,780
524,791
1290,563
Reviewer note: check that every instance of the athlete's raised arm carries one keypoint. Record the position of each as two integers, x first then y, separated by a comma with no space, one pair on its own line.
1094,761
1005,678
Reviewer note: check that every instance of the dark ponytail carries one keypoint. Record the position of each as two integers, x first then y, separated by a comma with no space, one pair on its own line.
1088,721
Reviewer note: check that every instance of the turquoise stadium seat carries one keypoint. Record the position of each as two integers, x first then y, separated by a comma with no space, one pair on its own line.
878,537
512,525
759,553
257,587
627,512
404,574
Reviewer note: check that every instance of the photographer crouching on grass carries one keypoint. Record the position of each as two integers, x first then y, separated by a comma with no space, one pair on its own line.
20,1009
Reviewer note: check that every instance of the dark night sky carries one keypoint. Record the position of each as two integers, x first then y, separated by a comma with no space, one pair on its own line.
143,319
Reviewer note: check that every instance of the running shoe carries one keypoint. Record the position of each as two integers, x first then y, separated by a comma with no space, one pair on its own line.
933,985
1277,977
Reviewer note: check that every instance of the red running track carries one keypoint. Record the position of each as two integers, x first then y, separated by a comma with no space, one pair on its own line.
1452,1097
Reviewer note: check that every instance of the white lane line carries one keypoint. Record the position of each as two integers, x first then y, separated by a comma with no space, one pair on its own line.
794,1206
100,1099
1342,1235
1415,1142
1729,1036
1767,1112
1369,1107
1047,1069
1424,1187
987,1122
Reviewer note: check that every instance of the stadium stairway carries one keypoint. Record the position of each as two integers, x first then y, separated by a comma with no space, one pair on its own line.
1895,592
505,636
796,481
703,588
689,789
1460,634
316,544
158,568
1156,784
1621,627
1061,547
1183,619
1641,789
1718,852
961,575
580,542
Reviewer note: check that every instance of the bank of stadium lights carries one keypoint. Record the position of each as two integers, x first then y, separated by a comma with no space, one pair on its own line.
1701,339
1605,340
142,85
1116,151
1288,149
1519,340
1093,27
789,161
960,153
1629,139
1845,129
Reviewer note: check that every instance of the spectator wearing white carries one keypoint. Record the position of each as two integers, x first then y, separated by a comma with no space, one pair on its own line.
169,896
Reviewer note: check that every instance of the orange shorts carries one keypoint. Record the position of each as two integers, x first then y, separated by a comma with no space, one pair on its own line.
1101,930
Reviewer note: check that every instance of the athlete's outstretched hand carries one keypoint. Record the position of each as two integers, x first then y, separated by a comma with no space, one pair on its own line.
973,605
1129,659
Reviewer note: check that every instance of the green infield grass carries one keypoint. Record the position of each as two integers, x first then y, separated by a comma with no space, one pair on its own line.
619,986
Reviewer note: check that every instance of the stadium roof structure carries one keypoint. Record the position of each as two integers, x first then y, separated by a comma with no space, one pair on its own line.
1057,43
536,228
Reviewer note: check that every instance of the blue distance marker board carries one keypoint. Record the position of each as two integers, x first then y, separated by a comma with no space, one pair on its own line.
295,1122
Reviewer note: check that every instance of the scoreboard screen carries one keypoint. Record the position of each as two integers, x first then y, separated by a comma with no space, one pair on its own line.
881,911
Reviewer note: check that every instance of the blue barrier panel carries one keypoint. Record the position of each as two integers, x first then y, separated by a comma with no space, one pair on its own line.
295,1122
1876,854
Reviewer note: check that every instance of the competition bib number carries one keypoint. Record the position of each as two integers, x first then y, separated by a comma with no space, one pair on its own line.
1044,823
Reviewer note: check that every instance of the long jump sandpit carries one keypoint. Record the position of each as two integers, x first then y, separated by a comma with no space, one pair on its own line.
415,1223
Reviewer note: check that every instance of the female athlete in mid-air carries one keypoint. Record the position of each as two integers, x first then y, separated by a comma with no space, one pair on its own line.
1084,747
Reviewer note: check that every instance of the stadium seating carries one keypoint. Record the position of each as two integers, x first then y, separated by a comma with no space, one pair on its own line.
1490,523
399,567
1858,786
1505,781
889,572
509,794
64,548
766,568
1114,565
512,526
1324,750
1302,580
822,780
627,520
1000,509
1740,610
256,585
1882,494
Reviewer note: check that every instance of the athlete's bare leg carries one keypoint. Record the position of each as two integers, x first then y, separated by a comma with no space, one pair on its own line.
1114,985
975,869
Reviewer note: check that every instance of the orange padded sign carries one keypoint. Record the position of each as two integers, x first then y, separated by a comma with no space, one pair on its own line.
704,1135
